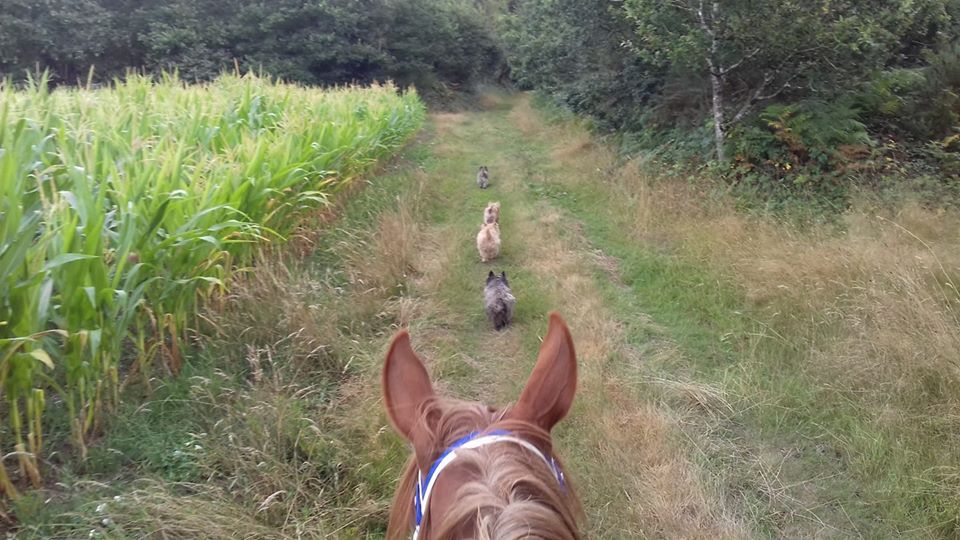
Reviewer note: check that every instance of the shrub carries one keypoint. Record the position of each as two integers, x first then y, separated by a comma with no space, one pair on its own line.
918,103
804,144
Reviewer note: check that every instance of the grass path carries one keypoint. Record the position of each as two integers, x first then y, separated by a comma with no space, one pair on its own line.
695,417
624,450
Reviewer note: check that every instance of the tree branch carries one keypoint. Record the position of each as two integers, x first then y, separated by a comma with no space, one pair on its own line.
759,96
737,64
703,21
678,4
752,100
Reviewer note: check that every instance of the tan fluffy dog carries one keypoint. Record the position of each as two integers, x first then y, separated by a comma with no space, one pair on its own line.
491,214
488,241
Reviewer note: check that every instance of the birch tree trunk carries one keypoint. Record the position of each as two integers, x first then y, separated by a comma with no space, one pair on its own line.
717,73
719,133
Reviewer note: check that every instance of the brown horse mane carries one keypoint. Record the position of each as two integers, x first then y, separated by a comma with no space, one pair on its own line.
514,495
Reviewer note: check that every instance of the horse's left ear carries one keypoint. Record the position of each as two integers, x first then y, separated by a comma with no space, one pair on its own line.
406,385
548,394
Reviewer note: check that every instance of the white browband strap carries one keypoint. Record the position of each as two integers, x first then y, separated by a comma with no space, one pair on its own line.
473,443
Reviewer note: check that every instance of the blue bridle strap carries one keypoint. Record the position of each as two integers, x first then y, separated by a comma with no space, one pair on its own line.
476,439
423,482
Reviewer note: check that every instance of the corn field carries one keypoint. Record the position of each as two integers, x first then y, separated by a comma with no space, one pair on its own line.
124,209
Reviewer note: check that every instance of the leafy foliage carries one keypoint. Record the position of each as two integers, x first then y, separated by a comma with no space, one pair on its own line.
832,88
572,50
919,103
812,135
809,146
430,43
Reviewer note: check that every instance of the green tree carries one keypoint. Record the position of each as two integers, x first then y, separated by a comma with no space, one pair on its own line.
753,51
431,43
65,36
574,50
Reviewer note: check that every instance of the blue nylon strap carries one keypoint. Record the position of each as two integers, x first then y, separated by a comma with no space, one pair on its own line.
422,482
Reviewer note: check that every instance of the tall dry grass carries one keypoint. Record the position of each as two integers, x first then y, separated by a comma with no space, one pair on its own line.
885,285
887,278
863,317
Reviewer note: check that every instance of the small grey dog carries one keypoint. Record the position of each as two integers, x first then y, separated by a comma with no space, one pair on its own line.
498,300
483,177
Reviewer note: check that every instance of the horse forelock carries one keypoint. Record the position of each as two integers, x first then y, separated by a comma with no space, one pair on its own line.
511,493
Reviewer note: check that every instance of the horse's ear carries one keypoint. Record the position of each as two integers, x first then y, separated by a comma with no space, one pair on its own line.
548,394
406,385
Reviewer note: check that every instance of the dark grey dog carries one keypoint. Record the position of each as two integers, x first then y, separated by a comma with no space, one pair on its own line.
498,300
483,177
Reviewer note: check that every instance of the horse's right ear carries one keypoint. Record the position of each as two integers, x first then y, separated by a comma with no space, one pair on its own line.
406,385
548,394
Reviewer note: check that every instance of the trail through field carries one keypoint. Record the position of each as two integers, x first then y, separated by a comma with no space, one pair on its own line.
738,378
623,449
703,411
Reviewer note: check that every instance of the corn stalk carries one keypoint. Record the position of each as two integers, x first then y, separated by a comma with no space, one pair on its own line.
122,209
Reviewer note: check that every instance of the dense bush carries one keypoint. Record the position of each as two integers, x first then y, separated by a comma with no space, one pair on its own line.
430,43
920,103
813,137
791,94
574,51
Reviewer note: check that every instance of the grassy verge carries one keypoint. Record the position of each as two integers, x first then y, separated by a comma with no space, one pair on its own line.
835,351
